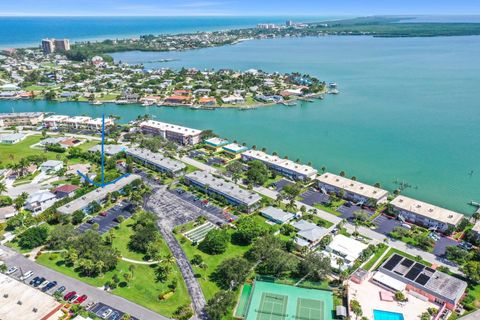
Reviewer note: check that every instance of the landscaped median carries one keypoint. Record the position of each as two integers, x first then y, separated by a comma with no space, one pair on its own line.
142,285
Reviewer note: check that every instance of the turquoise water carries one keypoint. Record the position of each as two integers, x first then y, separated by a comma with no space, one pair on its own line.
408,110
385,315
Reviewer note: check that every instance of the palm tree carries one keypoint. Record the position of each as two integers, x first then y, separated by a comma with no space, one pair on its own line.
279,198
3,187
475,216
324,169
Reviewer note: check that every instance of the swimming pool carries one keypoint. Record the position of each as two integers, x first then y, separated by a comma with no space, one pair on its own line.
386,315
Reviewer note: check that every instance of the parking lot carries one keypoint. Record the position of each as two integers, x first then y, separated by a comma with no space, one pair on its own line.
109,221
385,224
311,197
347,212
208,207
100,309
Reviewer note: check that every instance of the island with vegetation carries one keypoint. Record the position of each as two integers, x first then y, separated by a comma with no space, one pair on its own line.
54,77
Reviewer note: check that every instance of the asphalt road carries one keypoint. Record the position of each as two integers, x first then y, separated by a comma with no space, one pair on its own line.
12,258
172,211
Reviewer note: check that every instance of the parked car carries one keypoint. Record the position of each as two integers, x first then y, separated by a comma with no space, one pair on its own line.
12,270
103,213
89,305
49,286
106,313
26,275
39,281
34,280
43,284
90,221
60,289
73,298
69,295
407,226
80,299
115,316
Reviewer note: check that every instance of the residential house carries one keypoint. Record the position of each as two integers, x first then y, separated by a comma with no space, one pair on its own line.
51,165
276,215
40,201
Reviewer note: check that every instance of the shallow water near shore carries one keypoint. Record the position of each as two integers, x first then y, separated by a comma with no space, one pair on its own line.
408,110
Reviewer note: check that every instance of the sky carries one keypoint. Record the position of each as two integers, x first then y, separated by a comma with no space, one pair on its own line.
236,7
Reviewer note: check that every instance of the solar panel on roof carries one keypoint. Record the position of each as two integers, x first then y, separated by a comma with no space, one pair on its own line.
422,279
392,262
407,263
415,271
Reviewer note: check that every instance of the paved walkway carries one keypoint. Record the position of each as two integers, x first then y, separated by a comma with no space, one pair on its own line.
13,258
140,262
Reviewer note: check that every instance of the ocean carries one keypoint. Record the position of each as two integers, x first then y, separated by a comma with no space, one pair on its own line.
408,110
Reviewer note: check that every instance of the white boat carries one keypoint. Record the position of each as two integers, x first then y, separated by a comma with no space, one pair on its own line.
97,103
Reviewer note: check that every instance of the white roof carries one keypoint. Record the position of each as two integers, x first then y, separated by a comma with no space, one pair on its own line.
277,214
216,141
352,186
56,117
348,247
427,210
31,298
110,149
96,195
476,227
40,196
390,282
78,119
234,147
157,159
163,126
51,163
310,231
11,136
283,163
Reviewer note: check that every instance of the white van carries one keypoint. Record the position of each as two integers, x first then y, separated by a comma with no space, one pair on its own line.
26,275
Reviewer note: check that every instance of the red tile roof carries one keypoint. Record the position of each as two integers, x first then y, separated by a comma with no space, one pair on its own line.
66,188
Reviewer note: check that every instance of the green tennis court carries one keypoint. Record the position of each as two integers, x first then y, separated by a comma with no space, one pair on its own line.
273,301
308,309
272,307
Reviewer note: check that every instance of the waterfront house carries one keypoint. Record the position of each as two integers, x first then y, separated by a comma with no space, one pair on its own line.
156,161
234,149
233,100
178,134
207,101
436,286
425,214
285,167
40,201
215,143
350,189
276,215
246,200
177,100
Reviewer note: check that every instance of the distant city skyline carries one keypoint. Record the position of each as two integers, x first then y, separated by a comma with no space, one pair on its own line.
236,7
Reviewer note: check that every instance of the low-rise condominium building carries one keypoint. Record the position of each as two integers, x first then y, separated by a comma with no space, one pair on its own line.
157,161
11,138
172,132
215,143
437,286
97,195
231,192
352,190
285,167
425,214
79,122
21,119
308,233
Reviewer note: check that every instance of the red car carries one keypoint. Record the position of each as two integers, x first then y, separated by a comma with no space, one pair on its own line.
69,295
80,299
103,214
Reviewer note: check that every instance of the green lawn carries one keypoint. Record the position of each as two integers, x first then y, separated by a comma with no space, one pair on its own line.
212,261
88,144
143,289
12,153
367,266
